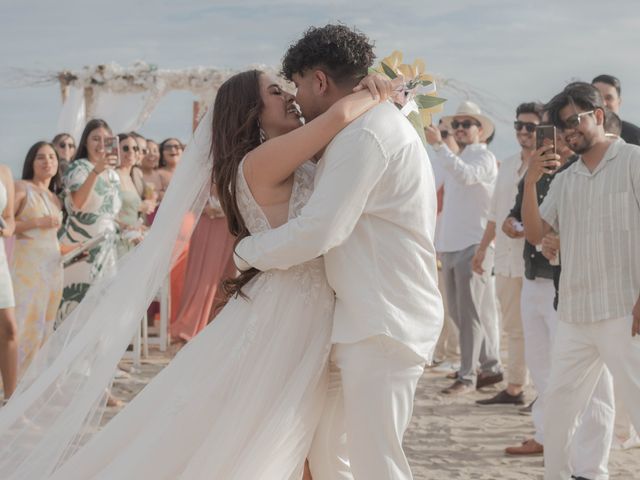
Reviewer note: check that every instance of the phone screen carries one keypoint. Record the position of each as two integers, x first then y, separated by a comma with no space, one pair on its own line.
112,149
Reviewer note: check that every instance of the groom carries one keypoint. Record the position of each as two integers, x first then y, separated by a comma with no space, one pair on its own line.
372,215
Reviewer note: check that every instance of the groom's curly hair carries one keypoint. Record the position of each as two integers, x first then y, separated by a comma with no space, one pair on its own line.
344,54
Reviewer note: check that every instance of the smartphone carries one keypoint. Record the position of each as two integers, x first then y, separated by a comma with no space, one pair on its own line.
112,149
544,132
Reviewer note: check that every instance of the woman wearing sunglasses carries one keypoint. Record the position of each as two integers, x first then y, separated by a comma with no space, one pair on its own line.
129,221
92,201
65,146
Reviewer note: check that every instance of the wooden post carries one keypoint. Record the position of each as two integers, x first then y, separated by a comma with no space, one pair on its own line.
88,103
196,115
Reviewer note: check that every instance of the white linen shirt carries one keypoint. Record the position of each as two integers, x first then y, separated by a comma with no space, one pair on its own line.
372,215
597,215
468,187
508,260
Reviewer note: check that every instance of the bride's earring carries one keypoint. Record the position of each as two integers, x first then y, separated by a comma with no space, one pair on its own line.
263,134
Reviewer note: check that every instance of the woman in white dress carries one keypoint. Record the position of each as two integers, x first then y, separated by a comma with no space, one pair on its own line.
242,400
8,326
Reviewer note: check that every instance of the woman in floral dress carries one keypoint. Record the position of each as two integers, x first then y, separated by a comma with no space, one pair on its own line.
92,201
36,266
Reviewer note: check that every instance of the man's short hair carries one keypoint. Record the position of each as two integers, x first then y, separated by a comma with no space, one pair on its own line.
580,94
609,80
612,123
344,54
536,108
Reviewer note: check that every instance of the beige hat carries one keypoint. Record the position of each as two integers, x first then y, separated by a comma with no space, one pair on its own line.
470,109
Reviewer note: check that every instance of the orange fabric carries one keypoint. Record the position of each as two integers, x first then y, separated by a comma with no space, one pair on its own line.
210,262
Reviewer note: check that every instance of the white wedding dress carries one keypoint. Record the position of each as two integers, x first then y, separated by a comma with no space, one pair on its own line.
241,400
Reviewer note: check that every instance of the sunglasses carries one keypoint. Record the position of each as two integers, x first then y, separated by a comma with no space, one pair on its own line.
66,145
171,146
574,120
528,126
455,124
127,148
444,134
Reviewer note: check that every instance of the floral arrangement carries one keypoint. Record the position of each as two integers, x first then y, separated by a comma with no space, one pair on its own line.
416,98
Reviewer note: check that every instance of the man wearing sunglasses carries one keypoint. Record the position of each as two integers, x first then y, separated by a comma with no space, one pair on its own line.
468,185
611,91
594,205
509,264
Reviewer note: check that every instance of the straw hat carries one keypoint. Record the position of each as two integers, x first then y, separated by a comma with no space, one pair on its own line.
470,109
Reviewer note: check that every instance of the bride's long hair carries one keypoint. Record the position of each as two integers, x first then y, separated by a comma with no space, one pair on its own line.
235,132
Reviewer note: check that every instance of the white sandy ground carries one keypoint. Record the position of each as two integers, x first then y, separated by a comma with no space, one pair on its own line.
449,437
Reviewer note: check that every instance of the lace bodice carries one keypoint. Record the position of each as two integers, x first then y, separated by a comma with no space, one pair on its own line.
253,215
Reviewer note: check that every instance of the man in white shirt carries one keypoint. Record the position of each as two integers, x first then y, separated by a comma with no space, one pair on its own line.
469,182
594,205
372,215
509,264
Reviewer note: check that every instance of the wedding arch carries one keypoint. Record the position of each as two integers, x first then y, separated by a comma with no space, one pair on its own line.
126,96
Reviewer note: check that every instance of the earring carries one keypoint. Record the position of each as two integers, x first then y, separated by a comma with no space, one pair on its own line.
262,133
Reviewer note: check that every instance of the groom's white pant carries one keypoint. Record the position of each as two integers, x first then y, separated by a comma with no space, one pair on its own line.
369,406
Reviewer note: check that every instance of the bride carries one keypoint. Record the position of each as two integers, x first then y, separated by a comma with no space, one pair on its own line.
243,398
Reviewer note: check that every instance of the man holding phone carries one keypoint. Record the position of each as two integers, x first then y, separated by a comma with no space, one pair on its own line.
509,266
594,205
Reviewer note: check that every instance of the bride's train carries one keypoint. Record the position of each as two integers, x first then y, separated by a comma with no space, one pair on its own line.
240,401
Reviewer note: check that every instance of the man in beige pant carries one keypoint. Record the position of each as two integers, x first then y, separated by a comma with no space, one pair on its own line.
509,245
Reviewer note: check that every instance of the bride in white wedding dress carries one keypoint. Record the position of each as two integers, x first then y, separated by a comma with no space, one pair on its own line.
241,400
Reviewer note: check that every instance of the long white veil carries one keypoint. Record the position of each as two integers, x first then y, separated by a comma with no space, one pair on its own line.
59,401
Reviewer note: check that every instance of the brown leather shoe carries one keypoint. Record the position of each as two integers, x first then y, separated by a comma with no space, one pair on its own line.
458,388
452,375
485,380
528,447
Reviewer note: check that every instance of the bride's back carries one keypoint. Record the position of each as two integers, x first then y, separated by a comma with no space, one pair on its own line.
269,210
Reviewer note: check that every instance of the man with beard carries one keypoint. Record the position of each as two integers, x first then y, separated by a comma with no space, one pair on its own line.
594,206
509,266
610,89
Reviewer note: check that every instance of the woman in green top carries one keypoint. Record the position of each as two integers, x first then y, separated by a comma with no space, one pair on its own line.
131,225
92,201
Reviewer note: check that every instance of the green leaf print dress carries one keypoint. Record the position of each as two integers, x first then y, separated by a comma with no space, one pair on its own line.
97,217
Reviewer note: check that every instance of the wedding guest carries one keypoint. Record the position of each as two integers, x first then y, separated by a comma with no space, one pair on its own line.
447,353
593,206
136,171
508,263
170,154
154,181
92,201
65,146
611,91
36,266
128,219
539,318
210,262
468,186
8,327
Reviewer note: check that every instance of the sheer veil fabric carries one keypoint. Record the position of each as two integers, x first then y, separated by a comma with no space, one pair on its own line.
59,401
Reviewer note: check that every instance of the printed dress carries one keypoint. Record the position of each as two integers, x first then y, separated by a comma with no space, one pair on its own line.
37,276
97,217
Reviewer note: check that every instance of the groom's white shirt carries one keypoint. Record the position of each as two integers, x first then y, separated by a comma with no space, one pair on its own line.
372,215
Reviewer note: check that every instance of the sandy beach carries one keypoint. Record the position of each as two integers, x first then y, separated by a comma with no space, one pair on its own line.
449,437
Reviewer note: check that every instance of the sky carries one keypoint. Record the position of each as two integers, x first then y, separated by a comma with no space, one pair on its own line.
498,53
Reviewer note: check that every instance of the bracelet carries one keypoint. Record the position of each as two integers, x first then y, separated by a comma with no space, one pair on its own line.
96,172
